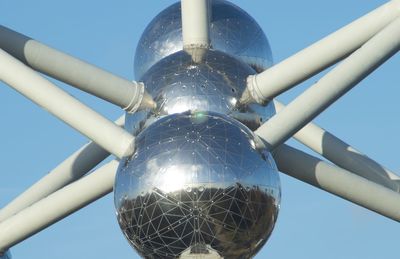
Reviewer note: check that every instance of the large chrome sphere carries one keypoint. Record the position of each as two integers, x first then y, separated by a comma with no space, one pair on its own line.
213,82
232,30
197,183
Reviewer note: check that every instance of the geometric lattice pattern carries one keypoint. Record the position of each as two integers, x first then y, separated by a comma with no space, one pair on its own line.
178,83
232,31
163,226
197,181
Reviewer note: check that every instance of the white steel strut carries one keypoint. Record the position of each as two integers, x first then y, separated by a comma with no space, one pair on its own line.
130,96
57,206
377,33
195,23
338,181
332,86
322,54
41,91
343,155
70,170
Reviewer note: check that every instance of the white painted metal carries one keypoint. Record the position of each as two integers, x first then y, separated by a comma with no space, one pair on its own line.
130,96
195,23
57,206
338,181
344,155
70,170
91,124
332,86
210,255
319,56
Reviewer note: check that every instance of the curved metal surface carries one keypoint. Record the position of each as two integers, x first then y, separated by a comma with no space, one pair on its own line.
197,181
203,80
232,30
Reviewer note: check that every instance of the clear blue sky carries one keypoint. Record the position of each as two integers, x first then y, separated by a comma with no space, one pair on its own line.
311,224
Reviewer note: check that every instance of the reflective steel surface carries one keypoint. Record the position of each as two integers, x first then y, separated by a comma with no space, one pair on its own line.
212,82
232,31
198,182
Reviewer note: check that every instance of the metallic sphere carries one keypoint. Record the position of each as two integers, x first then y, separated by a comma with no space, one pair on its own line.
207,80
232,30
198,183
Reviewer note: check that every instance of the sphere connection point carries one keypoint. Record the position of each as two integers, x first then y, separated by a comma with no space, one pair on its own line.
200,184
178,84
197,182
232,31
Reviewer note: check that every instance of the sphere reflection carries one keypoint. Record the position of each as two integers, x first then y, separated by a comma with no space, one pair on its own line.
214,83
197,183
232,31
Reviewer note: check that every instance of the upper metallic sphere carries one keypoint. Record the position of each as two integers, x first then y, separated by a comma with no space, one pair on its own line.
232,30
197,183
203,80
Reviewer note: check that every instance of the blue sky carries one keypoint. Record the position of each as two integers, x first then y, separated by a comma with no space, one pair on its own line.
311,224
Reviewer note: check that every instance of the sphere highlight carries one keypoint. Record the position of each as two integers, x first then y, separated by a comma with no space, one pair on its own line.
214,83
232,31
197,183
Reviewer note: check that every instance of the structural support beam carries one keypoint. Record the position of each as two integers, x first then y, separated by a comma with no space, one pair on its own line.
128,95
70,170
88,122
332,86
344,155
195,23
57,206
322,54
338,181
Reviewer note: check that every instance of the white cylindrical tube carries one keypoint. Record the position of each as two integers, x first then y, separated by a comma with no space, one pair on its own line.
70,170
332,86
195,23
344,155
57,206
338,181
322,54
128,95
41,91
